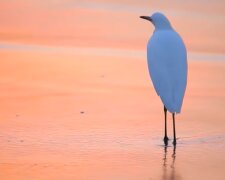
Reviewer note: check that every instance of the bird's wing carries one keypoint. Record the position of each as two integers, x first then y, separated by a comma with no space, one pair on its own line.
167,63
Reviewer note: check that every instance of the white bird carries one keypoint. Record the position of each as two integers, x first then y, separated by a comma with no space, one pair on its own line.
167,64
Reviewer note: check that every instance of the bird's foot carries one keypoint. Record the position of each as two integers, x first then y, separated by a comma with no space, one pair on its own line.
174,142
166,139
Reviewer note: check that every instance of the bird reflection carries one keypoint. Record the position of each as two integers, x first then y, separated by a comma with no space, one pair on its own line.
169,168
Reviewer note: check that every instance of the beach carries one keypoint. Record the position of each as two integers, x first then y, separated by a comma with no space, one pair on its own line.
66,115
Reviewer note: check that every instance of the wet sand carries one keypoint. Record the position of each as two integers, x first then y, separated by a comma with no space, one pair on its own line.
70,116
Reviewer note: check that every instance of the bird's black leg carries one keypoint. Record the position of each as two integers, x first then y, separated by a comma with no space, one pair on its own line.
166,139
174,131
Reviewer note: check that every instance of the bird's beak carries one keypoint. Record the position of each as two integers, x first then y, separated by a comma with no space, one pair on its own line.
146,18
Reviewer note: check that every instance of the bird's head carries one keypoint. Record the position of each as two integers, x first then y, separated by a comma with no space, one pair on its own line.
158,20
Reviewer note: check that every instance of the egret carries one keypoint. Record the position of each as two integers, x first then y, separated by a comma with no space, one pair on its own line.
167,64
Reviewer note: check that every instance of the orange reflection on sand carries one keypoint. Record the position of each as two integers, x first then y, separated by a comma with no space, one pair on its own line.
73,116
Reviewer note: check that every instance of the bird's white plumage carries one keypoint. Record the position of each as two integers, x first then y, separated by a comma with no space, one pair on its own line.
167,63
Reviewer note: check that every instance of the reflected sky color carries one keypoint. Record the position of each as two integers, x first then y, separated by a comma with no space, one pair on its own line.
111,24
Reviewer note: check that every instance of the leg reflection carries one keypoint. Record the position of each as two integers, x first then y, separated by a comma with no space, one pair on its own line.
173,172
169,172
173,156
165,164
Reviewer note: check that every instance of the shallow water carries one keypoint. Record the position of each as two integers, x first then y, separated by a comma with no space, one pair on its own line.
59,120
